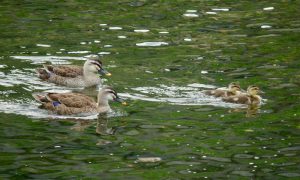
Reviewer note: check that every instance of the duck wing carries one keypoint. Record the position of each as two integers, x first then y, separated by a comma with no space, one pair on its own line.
66,70
74,100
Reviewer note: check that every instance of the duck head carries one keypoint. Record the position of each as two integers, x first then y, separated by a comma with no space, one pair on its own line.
107,94
94,65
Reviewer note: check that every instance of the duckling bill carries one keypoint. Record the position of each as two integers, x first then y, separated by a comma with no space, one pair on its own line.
76,103
75,76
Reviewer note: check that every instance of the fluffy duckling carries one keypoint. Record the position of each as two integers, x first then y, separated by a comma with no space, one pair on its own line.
75,103
233,89
75,76
250,98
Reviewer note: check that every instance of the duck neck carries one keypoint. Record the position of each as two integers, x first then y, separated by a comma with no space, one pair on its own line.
88,74
102,100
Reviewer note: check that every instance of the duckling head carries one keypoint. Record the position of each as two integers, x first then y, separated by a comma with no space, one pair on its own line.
253,90
234,87
94,65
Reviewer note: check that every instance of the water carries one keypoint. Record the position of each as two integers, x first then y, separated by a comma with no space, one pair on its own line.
161,56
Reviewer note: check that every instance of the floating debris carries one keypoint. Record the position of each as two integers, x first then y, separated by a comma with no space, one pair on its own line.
97,41
152,44
107,46
148,159
164,32
102,24
187,39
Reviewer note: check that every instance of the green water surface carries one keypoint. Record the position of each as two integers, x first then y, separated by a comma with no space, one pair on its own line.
245,44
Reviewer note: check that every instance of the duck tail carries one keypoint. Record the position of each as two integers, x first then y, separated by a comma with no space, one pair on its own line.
42,98
43,73
48,68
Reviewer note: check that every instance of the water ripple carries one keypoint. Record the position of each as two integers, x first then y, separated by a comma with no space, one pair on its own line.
190,95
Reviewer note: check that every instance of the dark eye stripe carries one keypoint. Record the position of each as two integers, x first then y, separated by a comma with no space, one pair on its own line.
113,92
97,64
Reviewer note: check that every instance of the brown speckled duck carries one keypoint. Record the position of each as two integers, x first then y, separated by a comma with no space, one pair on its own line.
75,76
250,98
233,89
75,103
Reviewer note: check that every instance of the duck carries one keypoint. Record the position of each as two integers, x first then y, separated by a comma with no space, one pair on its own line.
233,89
75,76
76,103
249,98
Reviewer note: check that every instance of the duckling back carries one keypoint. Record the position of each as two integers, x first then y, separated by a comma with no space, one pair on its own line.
239,99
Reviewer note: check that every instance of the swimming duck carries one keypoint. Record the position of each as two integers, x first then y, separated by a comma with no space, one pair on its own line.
250,98
74,76
75,103
233,89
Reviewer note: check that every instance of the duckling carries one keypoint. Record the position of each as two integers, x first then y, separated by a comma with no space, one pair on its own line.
233,89
75,103
250,98
74,76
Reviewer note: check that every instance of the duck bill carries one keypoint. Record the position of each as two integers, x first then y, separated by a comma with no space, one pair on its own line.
121,101
103,72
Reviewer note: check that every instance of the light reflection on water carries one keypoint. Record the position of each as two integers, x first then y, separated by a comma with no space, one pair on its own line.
30,109
190,95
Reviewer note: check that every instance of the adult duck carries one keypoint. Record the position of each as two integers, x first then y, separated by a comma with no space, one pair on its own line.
76,103
75,76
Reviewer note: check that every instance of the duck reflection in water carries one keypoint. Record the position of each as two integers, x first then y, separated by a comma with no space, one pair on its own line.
251,110
251,98
102,125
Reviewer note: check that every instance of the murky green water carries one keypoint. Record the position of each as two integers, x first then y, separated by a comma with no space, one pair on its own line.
195,45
